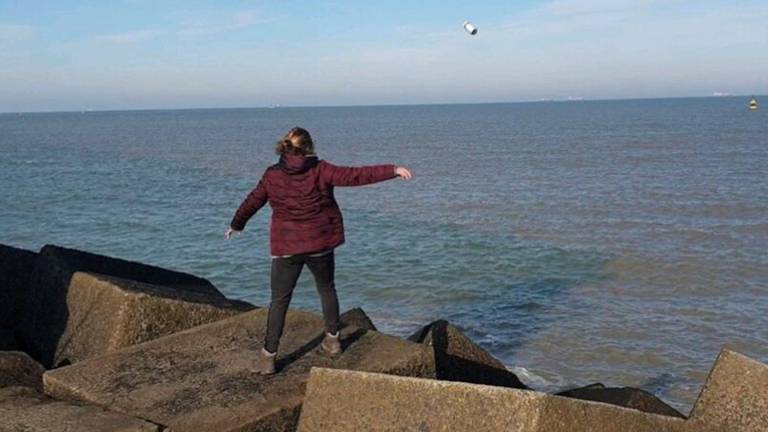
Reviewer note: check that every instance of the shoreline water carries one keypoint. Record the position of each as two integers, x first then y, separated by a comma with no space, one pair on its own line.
620,241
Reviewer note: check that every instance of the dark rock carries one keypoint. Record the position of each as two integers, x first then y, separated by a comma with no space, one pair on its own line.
8,341
68,261
358,318
735,395
85,305
202,379
457,358
19,369
23,409
15,270
349,401
567,393
627,397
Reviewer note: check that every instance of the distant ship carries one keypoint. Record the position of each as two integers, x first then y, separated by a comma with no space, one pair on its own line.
753,104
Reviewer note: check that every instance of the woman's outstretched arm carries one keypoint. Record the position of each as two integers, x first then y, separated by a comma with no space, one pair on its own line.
359,176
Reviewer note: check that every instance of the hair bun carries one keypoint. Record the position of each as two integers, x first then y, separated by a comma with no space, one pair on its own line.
297,141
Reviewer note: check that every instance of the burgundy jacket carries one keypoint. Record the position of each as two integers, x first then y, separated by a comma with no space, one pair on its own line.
305,215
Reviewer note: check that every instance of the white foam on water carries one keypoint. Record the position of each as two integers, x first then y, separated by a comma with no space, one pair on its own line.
397,326
533,380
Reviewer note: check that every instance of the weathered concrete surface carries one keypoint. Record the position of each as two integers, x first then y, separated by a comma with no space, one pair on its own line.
627,397
106,314
202,379
457,358
735,395
19,369
25,409
341,401
85,305
15,269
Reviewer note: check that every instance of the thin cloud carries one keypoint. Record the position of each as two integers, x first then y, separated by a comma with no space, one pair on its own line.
563,17
238,21
589,7
132,37
630,21
16,32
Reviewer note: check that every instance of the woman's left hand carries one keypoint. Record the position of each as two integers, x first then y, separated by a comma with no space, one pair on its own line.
403,172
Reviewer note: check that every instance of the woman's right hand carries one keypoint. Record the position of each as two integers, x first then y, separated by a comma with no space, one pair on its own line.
228,233
403,172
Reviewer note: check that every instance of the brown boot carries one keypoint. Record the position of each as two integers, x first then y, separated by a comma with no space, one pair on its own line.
265,362
331,344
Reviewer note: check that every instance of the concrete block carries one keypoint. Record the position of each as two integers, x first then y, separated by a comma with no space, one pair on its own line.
457,358
19,369
16,267
341,401
25,409
735,395
106,314
8,340
77,313
202,378
358,318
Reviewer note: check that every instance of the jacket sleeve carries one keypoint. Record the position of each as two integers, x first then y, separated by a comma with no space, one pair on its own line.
252,203
357,176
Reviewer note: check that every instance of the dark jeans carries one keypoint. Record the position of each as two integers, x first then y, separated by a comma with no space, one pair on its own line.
285,273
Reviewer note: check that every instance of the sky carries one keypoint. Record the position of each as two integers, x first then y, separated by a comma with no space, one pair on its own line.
137,54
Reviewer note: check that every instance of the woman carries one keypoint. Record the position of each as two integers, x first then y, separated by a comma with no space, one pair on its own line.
306,228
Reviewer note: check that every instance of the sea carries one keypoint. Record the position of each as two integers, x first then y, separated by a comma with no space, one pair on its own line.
622,242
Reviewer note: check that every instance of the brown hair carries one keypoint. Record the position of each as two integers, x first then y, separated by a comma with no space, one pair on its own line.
296,141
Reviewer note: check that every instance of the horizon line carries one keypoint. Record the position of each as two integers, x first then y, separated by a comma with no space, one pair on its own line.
278,106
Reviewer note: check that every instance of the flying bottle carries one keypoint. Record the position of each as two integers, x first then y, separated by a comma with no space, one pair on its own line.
470,28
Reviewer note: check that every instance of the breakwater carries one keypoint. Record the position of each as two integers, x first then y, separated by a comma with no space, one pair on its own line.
97,343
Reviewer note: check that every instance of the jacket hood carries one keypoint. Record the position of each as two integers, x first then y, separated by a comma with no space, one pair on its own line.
297,164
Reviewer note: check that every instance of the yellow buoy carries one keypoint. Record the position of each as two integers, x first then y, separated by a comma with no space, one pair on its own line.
753,104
